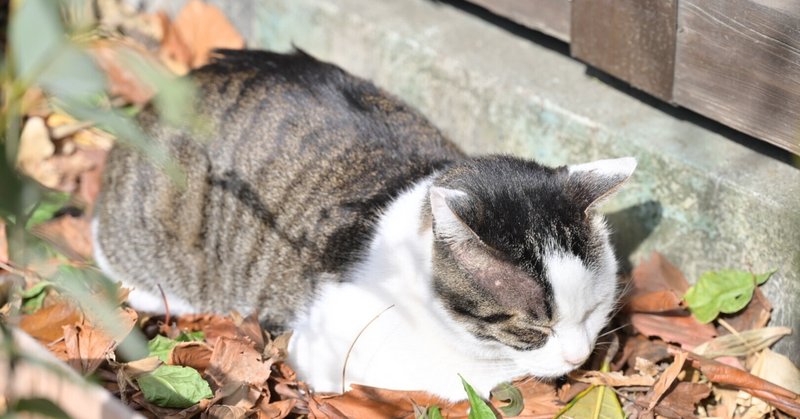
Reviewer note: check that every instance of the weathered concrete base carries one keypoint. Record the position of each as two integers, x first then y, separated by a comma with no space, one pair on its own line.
698,197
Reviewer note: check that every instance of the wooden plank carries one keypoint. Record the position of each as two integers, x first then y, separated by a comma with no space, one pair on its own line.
738,61
548,16
633,40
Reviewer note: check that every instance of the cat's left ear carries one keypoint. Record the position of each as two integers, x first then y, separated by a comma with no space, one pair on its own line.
447,224
592,183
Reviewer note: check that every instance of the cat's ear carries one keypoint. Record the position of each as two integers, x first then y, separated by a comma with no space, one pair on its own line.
447,224
592,183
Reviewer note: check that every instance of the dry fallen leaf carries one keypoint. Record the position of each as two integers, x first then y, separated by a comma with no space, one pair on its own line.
680,400
122,80
276,410
203,27
658,286
86,347
684,330
234,360
70,235
34,148
191,354
719,373
3,243
612,378
755,316
666,379
371,402
46,324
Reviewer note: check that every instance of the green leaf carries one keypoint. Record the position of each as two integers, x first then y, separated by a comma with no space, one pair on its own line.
33,298
39,407
434,413
160,346
478,409
47,207
72,74
726,291
506,392
595,402
35,34
174,386
197,336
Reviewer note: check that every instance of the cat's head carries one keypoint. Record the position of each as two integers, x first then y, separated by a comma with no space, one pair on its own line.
522,261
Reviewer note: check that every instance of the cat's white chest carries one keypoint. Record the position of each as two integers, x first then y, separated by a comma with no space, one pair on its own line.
383,321
368,336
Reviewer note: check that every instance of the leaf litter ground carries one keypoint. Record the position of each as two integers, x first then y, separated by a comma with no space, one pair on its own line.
657,359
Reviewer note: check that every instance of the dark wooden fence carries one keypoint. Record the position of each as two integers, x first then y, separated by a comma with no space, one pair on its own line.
735,61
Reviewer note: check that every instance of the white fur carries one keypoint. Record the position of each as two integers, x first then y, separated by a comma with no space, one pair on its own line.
623,166
448,225
415,344
139,299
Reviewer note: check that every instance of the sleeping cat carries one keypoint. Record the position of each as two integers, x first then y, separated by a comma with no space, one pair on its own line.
335,210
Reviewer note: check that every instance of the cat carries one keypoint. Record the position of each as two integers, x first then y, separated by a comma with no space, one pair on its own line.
335,210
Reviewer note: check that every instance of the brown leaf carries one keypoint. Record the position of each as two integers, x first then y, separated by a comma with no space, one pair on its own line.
755,316
47,324
191,354
35,148
122,80
3,243
226,412
719,373
203,27
658,286
88,346
213,326
234,360
173,52
70,235
612,378
278,348
540,399
276,410
371,402
251,328
684,330
666,379
680,400
640,347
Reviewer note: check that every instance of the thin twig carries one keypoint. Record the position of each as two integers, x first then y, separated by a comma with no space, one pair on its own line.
166,305
352,345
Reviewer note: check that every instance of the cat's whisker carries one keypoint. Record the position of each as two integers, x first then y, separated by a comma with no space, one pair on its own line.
613,330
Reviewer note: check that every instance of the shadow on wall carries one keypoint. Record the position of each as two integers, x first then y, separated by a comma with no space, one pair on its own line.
631,226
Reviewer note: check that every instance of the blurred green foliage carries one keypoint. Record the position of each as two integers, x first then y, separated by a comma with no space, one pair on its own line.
47,47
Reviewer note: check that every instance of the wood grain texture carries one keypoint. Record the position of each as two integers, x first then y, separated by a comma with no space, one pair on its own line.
633,40
551,17
738,61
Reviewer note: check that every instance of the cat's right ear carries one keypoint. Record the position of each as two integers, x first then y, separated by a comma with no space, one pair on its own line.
592,183
447,225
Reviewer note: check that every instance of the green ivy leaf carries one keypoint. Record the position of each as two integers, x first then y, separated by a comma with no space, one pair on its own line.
726,291
47,207
595,402
478,409
434,413
160,346
33,298
506,392
35,33
197,336
174,386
